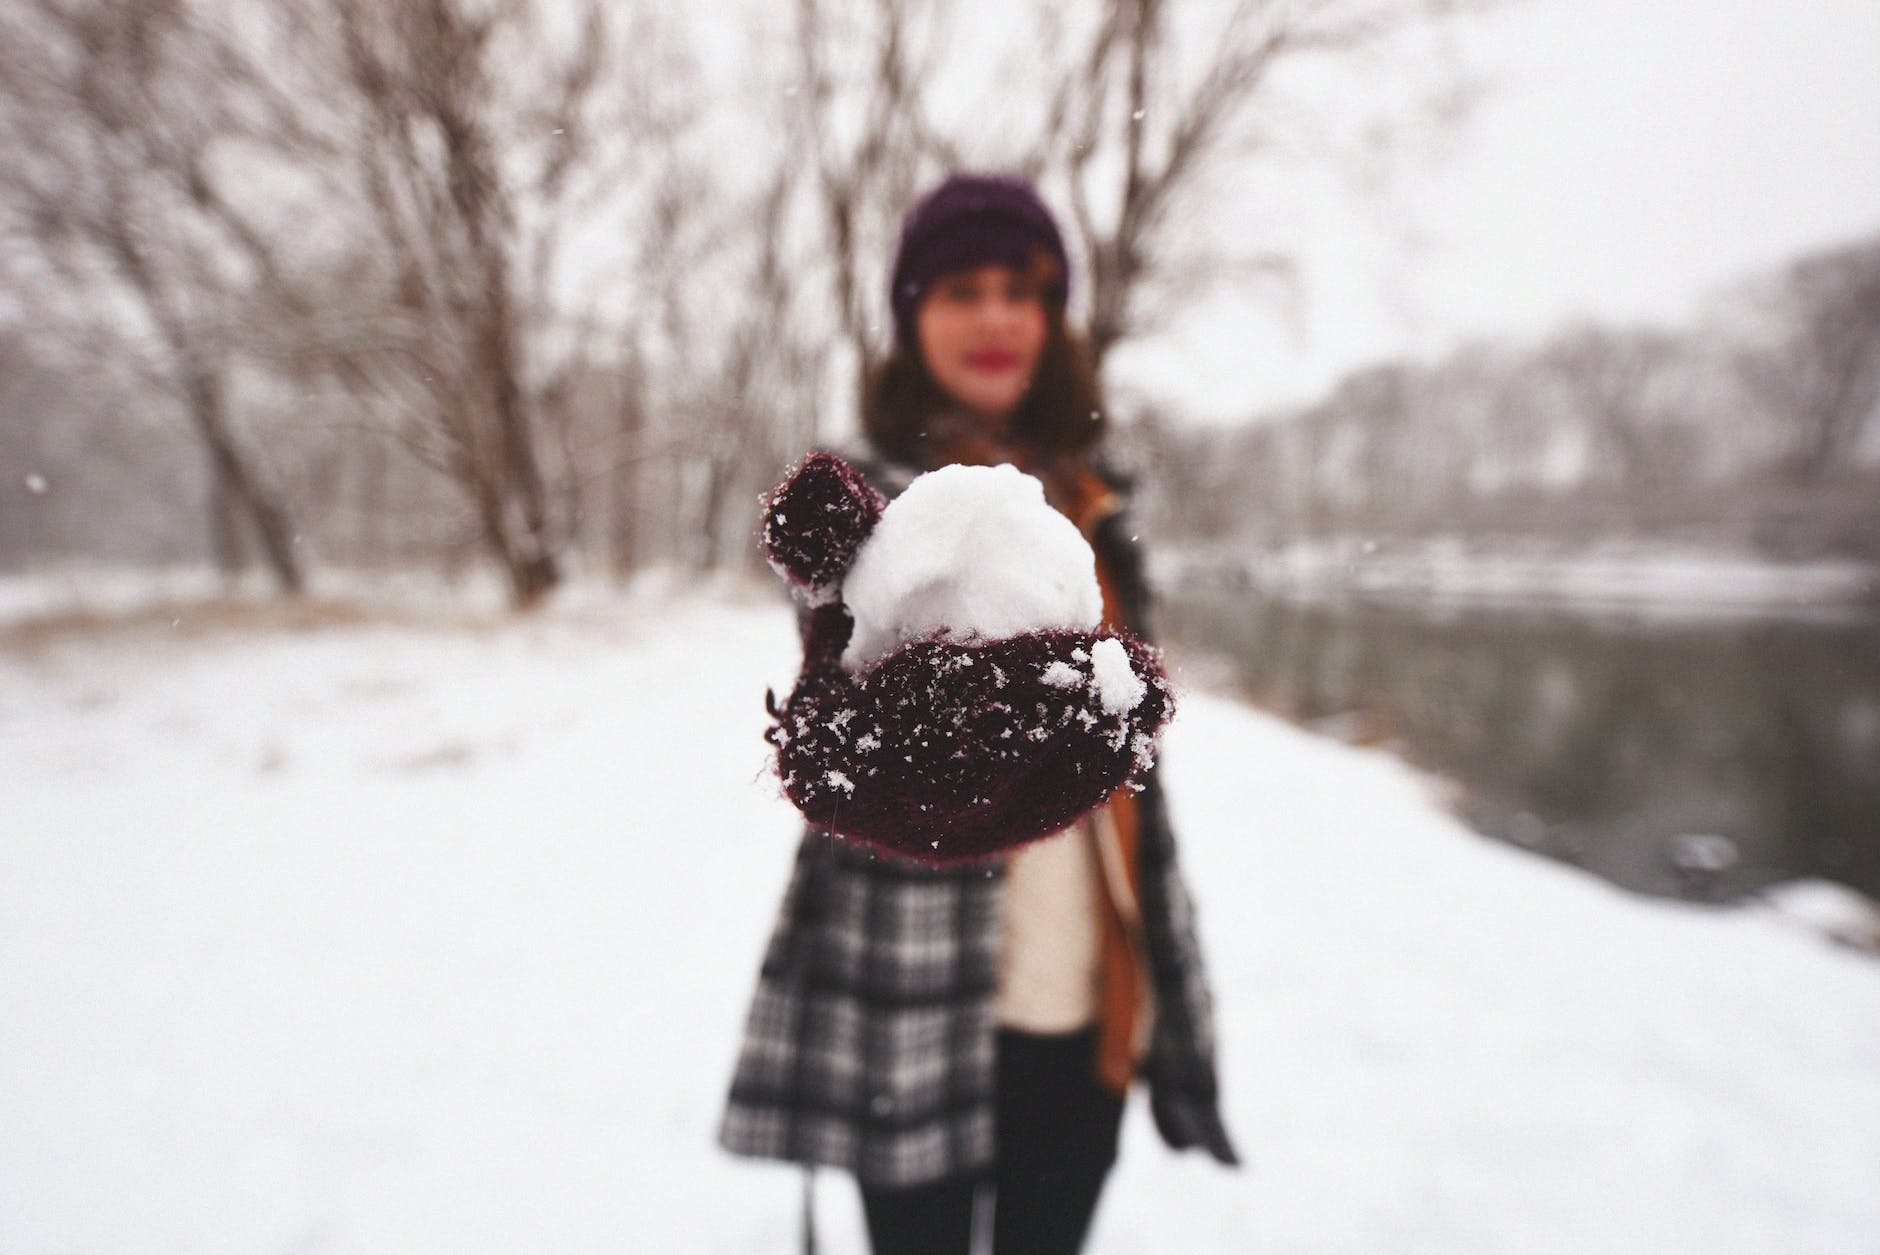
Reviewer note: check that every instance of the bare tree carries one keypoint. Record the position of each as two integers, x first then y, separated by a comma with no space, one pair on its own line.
112,118
863,75
475,129
1139,123
1615,380
718,367
1822,374
768,384
1136,120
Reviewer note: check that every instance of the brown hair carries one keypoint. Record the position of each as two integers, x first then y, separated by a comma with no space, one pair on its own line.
904,407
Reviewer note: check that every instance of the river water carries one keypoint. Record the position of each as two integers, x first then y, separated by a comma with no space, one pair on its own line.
1699,760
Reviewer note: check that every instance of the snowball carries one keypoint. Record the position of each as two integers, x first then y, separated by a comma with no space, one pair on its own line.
965,552
1118,687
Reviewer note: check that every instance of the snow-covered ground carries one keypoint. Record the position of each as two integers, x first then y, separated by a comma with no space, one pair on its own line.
433,934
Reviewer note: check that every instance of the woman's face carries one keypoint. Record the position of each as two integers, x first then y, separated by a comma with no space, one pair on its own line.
981,334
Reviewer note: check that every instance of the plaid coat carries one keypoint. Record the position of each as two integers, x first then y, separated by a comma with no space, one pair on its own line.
870,1040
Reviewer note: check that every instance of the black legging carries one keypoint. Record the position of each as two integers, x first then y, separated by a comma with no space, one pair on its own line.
1056,1141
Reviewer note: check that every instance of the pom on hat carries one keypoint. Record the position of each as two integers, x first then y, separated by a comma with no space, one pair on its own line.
968,221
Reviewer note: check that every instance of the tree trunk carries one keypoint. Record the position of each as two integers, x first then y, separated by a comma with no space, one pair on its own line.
531,574
719,530
237,486
622,525
534,567
374,506
225,539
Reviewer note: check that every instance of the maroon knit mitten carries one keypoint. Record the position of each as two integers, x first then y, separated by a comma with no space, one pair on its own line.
943,751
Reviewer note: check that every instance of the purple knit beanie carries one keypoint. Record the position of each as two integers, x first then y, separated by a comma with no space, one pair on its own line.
968,221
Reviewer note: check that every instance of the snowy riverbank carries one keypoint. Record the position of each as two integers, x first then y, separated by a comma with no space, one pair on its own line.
434,935
1638,579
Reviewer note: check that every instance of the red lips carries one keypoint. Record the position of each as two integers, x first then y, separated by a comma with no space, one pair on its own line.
992,360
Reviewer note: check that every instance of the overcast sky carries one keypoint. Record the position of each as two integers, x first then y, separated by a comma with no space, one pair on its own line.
1629,158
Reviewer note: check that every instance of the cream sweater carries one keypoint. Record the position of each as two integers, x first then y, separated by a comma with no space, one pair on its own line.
1048,954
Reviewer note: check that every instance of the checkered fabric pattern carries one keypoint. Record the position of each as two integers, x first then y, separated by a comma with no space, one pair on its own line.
870,1041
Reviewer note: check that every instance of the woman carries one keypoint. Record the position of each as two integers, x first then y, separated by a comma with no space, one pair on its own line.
953,1034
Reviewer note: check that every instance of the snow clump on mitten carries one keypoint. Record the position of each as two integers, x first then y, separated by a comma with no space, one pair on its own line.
965,553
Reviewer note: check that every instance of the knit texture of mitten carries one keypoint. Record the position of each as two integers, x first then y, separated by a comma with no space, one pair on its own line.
816,520
957,746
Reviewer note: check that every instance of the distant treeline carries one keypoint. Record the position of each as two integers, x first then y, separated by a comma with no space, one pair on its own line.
1756,429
